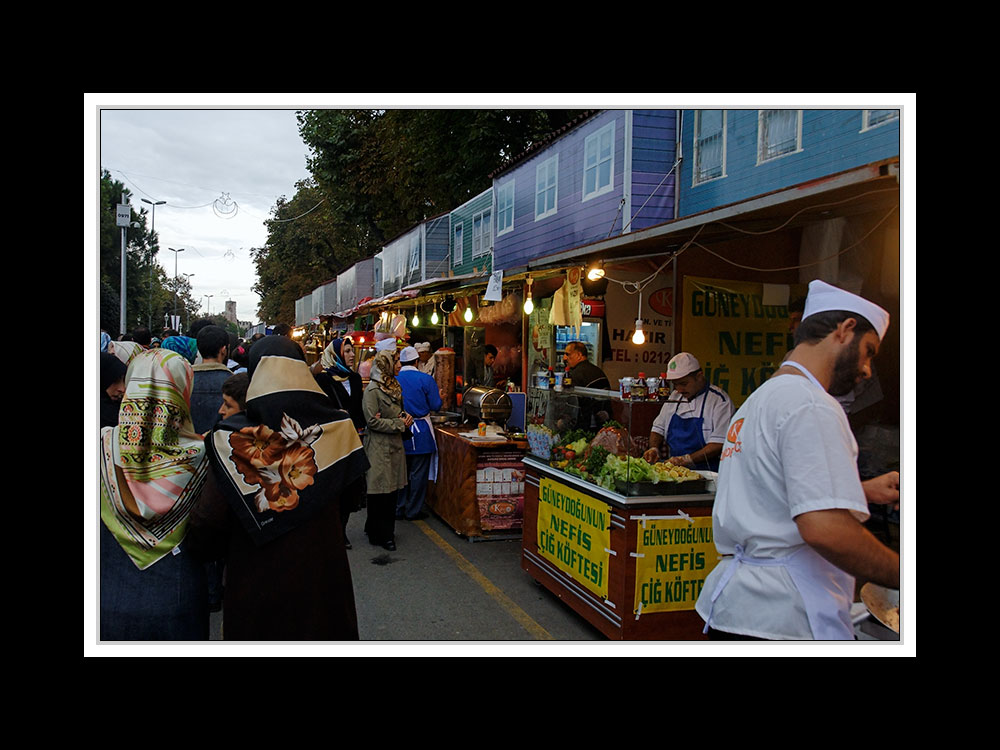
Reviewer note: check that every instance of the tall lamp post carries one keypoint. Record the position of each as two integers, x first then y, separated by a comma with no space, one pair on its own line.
209,304
175,251
152,232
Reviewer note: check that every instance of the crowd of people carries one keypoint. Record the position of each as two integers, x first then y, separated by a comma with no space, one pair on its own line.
227,464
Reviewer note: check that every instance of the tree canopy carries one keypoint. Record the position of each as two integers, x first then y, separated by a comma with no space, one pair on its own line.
149,292
375,174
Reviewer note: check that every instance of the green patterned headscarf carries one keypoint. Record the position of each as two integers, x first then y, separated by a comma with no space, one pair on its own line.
183,345
152,466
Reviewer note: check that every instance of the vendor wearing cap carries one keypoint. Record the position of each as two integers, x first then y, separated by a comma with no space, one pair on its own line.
426,358
789,503
420,397
691,426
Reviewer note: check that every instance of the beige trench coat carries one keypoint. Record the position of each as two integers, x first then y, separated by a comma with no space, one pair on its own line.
383,441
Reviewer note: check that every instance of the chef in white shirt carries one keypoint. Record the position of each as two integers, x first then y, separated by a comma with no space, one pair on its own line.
691,426
789,503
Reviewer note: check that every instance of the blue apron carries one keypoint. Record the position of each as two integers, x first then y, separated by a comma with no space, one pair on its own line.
685,435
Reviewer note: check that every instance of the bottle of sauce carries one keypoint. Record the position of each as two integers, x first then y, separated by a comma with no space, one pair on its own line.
639,388
552,379
567,380
664,390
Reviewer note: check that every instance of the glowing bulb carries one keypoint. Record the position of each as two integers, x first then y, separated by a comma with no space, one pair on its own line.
468,314
416,319
528,306
638,337
596,272
434,317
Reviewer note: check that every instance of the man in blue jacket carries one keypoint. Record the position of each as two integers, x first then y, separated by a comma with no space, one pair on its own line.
420,397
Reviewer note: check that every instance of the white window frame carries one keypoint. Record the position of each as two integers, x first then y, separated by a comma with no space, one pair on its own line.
761,159
458,251
595,137
485,234
504,205
866,123
414,254
550,165
695,179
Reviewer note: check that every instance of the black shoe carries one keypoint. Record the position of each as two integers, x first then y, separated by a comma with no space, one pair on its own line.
390,545
420,516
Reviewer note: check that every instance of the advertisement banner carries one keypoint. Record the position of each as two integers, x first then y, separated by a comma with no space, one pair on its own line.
622,309
574,534
673,558
738,334
500,489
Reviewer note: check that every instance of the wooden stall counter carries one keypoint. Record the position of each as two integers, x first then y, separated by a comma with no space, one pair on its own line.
479,490
633,567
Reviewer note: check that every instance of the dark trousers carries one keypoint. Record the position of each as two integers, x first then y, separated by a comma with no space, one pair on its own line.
411,498
381,524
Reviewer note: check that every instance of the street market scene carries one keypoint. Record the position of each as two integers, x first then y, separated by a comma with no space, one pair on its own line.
595,377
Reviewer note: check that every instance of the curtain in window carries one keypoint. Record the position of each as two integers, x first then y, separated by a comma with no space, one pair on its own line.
779,132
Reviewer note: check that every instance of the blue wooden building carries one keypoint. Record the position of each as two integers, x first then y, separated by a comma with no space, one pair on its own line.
732,155
607,174
471,236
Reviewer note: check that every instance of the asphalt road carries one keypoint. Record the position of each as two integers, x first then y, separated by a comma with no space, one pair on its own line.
440,588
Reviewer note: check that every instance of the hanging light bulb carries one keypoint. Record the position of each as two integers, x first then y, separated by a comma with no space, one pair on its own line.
596,271
528,304
434,317
639,337
468,314
416,318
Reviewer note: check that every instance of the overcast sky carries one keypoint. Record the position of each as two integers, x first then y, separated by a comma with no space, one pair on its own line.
220,172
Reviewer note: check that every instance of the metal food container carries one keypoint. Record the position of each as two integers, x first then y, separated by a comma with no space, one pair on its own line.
481,403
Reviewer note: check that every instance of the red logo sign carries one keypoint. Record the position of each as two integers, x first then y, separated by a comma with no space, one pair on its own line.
662,301
734,431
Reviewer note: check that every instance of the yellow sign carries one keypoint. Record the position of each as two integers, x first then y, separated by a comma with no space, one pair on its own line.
574,533
738,337
673,558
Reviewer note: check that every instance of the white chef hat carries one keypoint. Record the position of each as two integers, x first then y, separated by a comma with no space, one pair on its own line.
409,354
386,344
824,297
681,365
423,346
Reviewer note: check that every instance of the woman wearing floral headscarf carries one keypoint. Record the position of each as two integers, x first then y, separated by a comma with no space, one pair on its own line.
282,466
153,470
386,422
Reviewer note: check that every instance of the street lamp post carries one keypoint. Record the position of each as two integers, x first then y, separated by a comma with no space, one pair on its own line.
175,251
152,232
209,304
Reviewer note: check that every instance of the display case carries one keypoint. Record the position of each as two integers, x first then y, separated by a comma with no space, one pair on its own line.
620,541
603,419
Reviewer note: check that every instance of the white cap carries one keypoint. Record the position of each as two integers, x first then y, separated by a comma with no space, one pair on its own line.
681,365
386,344
824,297
408,354
423,346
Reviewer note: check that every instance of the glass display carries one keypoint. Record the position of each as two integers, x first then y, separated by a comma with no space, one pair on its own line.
600,436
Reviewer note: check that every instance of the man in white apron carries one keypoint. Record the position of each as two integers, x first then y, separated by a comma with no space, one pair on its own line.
789,506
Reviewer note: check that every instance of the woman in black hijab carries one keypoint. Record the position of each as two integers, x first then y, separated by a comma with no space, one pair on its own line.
112,388
281,467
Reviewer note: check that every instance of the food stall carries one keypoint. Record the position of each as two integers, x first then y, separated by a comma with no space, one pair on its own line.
480,484
625,544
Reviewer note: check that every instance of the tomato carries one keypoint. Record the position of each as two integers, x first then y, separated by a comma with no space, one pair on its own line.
570,455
